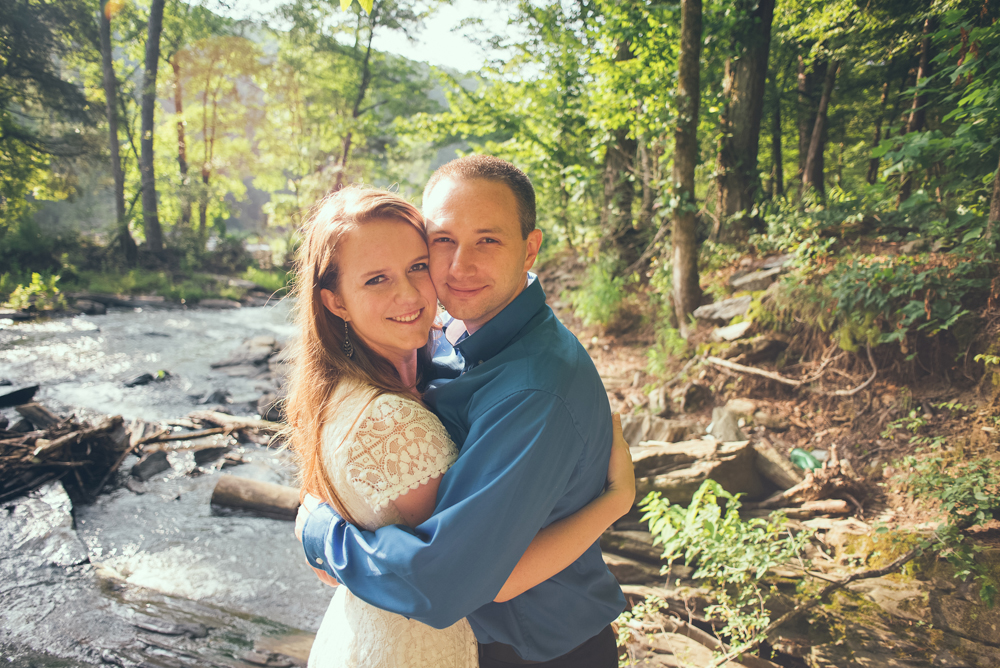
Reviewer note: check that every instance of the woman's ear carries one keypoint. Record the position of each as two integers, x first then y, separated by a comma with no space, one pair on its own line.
333,304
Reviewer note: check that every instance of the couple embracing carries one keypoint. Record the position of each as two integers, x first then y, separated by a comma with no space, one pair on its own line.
461,467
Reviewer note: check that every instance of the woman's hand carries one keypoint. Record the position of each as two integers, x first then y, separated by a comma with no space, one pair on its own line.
621,475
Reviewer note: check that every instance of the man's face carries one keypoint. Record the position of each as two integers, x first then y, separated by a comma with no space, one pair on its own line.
478,258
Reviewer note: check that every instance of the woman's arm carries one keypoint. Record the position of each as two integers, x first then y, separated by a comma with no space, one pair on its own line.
561,543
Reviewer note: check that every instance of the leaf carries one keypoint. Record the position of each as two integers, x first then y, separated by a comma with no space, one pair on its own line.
346,4
366,5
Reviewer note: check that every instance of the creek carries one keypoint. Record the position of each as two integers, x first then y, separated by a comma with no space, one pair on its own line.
149,574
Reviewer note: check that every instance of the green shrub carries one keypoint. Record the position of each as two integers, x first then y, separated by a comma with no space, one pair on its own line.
41,294
598,300
274,281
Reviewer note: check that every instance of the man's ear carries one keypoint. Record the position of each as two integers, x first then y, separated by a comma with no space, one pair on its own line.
333,304
534,242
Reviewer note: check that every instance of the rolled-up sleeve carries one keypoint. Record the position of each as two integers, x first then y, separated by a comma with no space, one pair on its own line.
519,457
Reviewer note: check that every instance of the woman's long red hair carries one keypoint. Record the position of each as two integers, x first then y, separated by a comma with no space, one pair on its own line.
319,363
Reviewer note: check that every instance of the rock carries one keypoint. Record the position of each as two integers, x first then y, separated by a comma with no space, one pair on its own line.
214,397
41,525
209,454
692,397
3,422
660,430
902,599
724,311
777,261
255,351
913,247
969,619
772,422
729,464
170,628
776,467
219,303
741,408
40,416
731,332
758,280
150,465
633,544
630,571
725,426
269,407
761,349
4,382
90,307
141,379
21,395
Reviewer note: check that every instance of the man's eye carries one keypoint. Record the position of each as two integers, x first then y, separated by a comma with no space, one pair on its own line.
441,240
489,240
375,280
420,266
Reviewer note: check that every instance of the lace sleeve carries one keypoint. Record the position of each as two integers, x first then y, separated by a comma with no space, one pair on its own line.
398,445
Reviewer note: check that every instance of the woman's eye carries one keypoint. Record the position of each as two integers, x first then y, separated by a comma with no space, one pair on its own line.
376,280
419,266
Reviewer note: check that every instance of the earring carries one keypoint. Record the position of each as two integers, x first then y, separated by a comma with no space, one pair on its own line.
348,347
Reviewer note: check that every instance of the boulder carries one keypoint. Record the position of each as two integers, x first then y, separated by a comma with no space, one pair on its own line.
150,465
90,307
219,303
637,429
732,465
692,397
731,332
725,426
255,351
757,280
724,311
969,619
741,408
209,454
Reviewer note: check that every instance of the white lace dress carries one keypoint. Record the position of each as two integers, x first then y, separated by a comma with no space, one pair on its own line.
374,451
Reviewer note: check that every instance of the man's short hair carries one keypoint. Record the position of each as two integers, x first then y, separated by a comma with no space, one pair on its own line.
489,168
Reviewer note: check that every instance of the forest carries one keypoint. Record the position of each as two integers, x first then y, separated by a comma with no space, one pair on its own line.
783,210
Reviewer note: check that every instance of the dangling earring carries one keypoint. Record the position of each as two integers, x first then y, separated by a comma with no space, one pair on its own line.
348,347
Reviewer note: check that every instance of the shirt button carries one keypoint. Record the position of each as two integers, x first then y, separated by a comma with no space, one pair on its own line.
479,362
319,561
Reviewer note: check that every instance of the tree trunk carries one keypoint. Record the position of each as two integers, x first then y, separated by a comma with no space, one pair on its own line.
778,170
873,164
687,291
151,222
918,113
181,141
994,206
111,107
366,79
743,88
814,171
648,193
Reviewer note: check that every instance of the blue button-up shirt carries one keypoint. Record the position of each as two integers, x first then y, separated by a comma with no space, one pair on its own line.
534,424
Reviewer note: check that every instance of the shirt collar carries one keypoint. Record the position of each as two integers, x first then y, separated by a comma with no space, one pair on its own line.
496,334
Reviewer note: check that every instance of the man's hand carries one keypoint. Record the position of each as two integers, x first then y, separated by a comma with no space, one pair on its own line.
309,503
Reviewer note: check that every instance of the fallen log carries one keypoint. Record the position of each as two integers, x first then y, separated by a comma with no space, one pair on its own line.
259,498
38,415
234,423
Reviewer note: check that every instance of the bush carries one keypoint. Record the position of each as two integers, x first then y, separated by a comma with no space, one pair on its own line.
598,300
39,295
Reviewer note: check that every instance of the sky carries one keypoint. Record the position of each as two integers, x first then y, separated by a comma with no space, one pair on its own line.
440,43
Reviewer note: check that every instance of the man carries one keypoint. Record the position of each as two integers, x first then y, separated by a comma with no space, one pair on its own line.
533,422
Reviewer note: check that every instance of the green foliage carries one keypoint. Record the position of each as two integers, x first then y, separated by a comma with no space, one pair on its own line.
598,299
969,493
669,346
42,294
730,554
275,281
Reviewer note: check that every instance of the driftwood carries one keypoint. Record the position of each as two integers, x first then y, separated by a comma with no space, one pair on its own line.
234,423
38,415
260,498
834,480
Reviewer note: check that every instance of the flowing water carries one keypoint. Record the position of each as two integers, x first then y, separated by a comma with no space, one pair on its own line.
77,582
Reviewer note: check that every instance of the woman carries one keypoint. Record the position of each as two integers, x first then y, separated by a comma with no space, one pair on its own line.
365,441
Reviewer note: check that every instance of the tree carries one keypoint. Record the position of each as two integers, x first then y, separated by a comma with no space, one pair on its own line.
151,221
111,105
918,112
813,175
743,90
687,291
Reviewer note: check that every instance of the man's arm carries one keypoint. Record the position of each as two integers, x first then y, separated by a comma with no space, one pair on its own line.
515,465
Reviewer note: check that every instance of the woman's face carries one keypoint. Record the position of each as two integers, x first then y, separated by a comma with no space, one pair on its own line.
385,290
